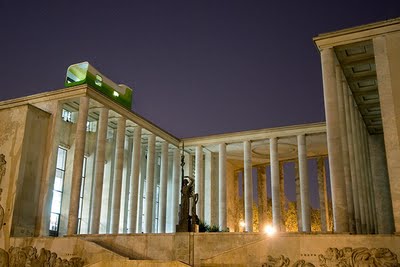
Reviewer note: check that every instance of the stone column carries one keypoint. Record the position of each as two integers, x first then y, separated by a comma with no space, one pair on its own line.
142,177
199,182
340,84
298,197
352,160
222,187
236,200
323,196
363,200
79,153
99,170
338,185
134,185
117,185
358,175
148,211
304,184
276,205
365,175
162,213
383,200
262,197
371,184
175,188
282,195
248,187
387,68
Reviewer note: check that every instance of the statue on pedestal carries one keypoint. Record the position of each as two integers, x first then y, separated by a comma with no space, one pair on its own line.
187,222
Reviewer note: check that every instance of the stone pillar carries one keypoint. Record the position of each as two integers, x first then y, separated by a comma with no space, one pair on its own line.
99,170
175,187
340,84
363,200
298,196
338,185
134,185
117,185
358,175
387,68
199,182
162,213
148,211
79,153
282,196
262,197
365,177
383,200
222,213
211,180
323,196
304,184
248,187
371,184
352,160
142,177
276,205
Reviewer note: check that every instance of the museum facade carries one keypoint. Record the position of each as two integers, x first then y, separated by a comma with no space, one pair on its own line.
86,177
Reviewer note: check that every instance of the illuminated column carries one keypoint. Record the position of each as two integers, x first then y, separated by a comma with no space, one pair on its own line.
79,153
262,197
222,187
175,188
338,185
162,213
361,173
199,182
340,84
359,201
282,195
298,196
275,186
99,170
304,184
248,187
117,185
352,159
323,196
134,186
148,211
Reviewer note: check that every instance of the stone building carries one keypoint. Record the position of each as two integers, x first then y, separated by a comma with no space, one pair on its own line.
94,182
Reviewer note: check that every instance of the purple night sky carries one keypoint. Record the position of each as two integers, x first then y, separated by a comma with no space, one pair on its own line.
198,67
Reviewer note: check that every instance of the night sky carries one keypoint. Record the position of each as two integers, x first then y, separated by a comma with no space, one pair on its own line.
197,67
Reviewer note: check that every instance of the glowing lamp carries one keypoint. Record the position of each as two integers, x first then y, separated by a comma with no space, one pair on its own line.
269,230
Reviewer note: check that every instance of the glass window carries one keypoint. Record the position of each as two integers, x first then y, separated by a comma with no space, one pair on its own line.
57,191
99,80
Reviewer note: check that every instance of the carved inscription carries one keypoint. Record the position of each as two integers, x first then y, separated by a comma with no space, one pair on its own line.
28,256
346,257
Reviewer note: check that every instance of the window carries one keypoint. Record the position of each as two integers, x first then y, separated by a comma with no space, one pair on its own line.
98,80
91,126
66,115
57,192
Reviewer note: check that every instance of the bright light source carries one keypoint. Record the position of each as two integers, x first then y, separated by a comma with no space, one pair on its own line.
242,224
116,94
269,230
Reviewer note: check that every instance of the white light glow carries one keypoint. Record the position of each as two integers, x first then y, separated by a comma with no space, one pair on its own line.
242,224
116,94
269,230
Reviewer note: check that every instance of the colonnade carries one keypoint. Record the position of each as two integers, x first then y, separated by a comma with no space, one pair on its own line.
226,191
156,168
353,194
